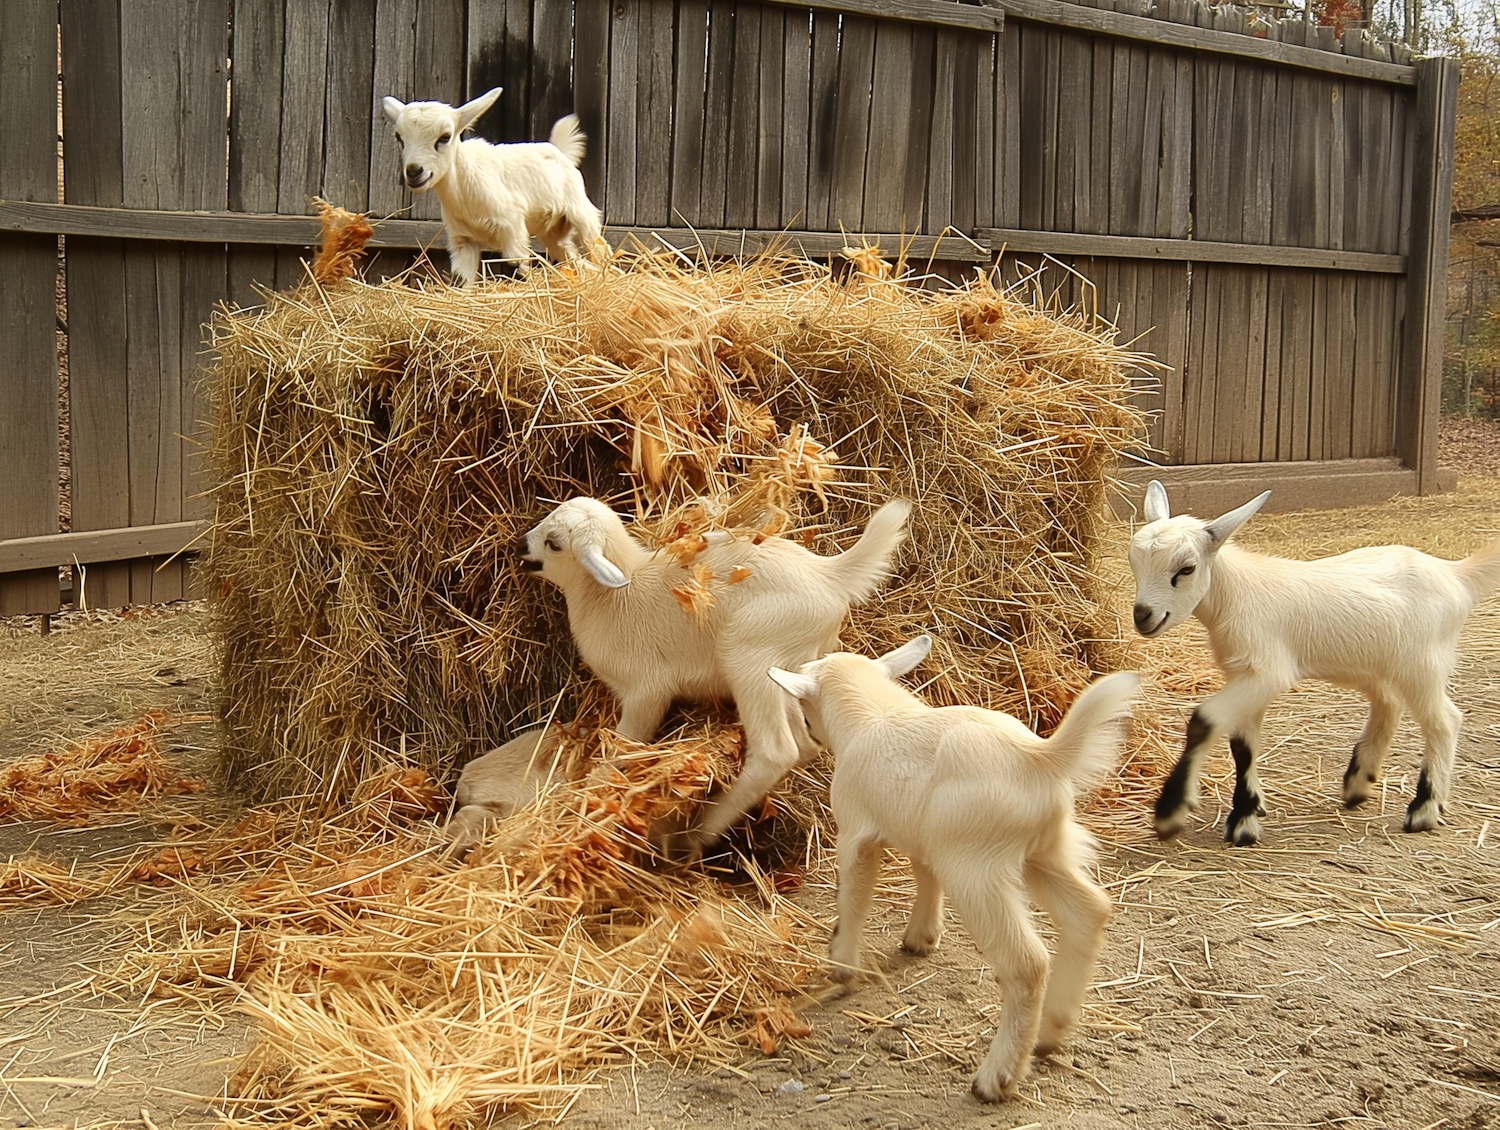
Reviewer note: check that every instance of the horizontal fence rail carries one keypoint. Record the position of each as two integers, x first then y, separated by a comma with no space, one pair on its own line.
1261,205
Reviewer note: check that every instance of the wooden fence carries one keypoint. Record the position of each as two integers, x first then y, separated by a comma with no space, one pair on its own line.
1263,206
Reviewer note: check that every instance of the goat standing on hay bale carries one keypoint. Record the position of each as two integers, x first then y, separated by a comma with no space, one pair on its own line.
1381,620
497,196
984,810
652,629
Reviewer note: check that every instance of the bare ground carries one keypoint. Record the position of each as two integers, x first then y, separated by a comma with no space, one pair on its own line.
1343,973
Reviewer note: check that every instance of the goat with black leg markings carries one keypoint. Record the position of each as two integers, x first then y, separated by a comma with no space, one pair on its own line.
496,196
778,605
983,808
1383,620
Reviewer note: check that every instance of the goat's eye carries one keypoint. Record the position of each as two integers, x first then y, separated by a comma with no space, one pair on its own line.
552,545
400,140
1185,571
447,137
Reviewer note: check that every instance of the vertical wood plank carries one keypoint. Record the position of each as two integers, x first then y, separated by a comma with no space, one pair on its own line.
919,152
1008,125
852,124
770,134
714,180
965,135
744,130
350,124
890,113
940,159
690,87
653,108
552,65
591,91
28,273
796,119
395,61
1420,387
985,111
823,117
624,63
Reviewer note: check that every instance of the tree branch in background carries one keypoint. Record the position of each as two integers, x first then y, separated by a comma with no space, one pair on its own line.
1481,212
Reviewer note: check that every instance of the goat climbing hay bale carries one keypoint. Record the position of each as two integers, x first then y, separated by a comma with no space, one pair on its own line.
380,449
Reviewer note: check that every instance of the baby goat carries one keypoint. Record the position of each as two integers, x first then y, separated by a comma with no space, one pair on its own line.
500,783
1382,620
496,196
983,808
777,605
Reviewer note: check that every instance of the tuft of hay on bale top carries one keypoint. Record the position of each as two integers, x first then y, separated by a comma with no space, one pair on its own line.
380,448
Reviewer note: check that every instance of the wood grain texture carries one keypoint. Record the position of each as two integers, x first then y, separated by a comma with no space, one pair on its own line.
28,395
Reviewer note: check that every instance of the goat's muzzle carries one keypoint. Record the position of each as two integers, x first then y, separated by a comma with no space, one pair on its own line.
417,177
1143,615
529,564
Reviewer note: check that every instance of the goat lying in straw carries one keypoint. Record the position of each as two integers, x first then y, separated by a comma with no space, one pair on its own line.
1382,620
497,196
984,810
499,783
657,627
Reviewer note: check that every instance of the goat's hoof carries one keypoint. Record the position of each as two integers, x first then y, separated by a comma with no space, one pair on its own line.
993,1089
1169,825
1354,800
1427,817
919,945
1244,832
843,975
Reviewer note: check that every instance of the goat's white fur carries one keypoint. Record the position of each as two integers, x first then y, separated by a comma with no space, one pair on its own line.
650,651
496,196
501,782
1382,620
983,808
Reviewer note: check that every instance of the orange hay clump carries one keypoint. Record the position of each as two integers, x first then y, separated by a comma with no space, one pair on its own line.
113,772
344,237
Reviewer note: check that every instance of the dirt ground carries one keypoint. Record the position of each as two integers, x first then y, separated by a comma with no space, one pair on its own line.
1342,973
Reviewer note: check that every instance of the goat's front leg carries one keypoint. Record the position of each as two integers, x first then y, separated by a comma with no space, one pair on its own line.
641,715
463,259
859,866
926,925
1242,827
1241,699
1371,749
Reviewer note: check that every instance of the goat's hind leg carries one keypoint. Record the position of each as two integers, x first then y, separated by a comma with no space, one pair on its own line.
1079,910
926,924
993,908
1439,719
1371,749
771,752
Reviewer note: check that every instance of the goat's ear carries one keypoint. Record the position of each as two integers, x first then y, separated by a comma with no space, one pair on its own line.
393,108
797,685
1156,502
469,112
904,658
1225,524
601,568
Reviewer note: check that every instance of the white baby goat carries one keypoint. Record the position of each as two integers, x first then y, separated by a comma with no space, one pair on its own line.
496,196
500,783
983,808
784,607
1382,620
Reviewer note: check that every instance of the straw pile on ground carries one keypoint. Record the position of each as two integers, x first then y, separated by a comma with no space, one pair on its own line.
380,448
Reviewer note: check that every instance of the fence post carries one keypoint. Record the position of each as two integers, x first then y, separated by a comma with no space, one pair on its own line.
28,314
1420,384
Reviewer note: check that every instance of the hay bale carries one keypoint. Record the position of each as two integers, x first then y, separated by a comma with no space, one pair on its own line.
380,448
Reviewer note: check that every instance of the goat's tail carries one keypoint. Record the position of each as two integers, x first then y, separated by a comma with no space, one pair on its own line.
864,566
1480,572
1085,746
568,136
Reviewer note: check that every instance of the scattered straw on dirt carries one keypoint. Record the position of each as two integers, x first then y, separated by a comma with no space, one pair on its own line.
380,449
114,772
